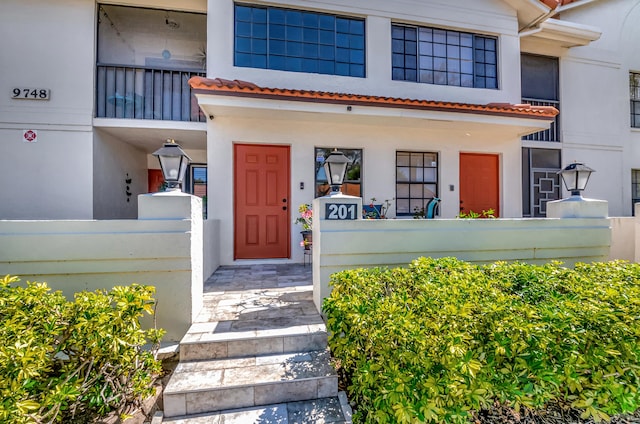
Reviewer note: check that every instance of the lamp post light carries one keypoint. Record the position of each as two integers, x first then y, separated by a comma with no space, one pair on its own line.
575,177
335,166
173,162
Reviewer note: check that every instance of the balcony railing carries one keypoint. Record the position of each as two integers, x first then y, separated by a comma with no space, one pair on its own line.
553,133
134,92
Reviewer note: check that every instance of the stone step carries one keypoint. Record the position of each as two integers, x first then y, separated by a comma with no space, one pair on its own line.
216,340
317,411
215,385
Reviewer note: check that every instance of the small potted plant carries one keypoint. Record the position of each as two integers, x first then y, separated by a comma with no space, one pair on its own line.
305,220
376,211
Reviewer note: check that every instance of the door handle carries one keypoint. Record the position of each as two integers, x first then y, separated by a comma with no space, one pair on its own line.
284,208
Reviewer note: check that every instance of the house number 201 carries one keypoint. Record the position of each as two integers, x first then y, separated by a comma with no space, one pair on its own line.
340,211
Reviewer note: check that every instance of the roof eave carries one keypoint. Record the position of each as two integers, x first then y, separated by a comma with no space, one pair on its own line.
564,34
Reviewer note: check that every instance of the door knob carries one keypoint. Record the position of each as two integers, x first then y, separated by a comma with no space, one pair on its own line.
284,208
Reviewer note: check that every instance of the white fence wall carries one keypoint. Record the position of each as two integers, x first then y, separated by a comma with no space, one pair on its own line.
339,245
163,251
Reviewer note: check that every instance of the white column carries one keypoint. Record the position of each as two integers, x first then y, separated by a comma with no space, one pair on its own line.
327,209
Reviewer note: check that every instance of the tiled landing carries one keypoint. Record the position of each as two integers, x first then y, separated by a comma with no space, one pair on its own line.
256,354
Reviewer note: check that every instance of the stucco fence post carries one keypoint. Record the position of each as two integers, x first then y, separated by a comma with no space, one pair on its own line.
581,232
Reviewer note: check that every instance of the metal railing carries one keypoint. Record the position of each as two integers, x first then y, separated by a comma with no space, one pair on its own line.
137,92
553,133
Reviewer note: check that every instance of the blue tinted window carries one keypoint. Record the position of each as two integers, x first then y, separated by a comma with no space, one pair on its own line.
243,45
291,40
310,20
294,18
243,29
458,58
310,35
243,13
276,16
259,15
326,52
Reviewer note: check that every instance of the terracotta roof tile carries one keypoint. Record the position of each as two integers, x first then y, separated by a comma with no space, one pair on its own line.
555,3
219,86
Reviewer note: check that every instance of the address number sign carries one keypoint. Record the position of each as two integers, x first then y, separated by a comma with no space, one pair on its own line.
341,211
30,93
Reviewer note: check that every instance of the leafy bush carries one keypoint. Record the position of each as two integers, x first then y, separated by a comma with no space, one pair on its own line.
66,361
443,338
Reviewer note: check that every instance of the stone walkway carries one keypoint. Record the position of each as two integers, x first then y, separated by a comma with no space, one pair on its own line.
257,353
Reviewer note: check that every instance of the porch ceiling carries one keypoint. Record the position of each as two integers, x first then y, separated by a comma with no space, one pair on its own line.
149,135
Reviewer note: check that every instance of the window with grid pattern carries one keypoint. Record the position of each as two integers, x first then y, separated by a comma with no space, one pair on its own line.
634,94
299,41
416,180
444,57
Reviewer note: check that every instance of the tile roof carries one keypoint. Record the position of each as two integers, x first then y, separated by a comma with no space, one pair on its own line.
555,3
219,86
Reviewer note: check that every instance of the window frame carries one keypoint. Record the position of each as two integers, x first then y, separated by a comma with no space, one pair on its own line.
190,182
296,40
415,201
445,51
634,99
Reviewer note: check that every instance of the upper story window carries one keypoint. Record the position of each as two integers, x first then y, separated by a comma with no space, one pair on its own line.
540,80
292,40
634,89
444,57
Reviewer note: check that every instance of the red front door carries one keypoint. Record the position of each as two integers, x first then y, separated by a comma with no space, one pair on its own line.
261,205
479,183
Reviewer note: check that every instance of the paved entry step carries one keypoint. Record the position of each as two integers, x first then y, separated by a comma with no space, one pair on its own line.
215,385
333,410
214,340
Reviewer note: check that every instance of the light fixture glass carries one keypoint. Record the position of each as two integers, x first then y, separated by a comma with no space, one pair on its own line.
575,177
173,162
335,167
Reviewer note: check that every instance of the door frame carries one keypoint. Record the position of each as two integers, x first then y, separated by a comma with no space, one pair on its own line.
287,171
498,174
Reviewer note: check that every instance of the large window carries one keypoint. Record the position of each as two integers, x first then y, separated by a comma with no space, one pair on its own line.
634,91
352,180
416,181
444,57
292,40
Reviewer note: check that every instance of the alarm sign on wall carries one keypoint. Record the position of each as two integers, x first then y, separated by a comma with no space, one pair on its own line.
29,136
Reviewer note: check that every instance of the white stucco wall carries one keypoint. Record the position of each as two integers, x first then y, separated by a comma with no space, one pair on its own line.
379,142
340,245
113,163
594,99
163,249
47,45
491,17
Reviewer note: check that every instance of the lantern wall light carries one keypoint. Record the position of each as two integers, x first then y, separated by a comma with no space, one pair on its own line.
173,163
575,177
335,167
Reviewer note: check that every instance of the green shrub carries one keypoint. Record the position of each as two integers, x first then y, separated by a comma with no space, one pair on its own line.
443,338
66,361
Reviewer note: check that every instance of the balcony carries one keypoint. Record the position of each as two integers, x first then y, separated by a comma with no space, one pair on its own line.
135,92
553,133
